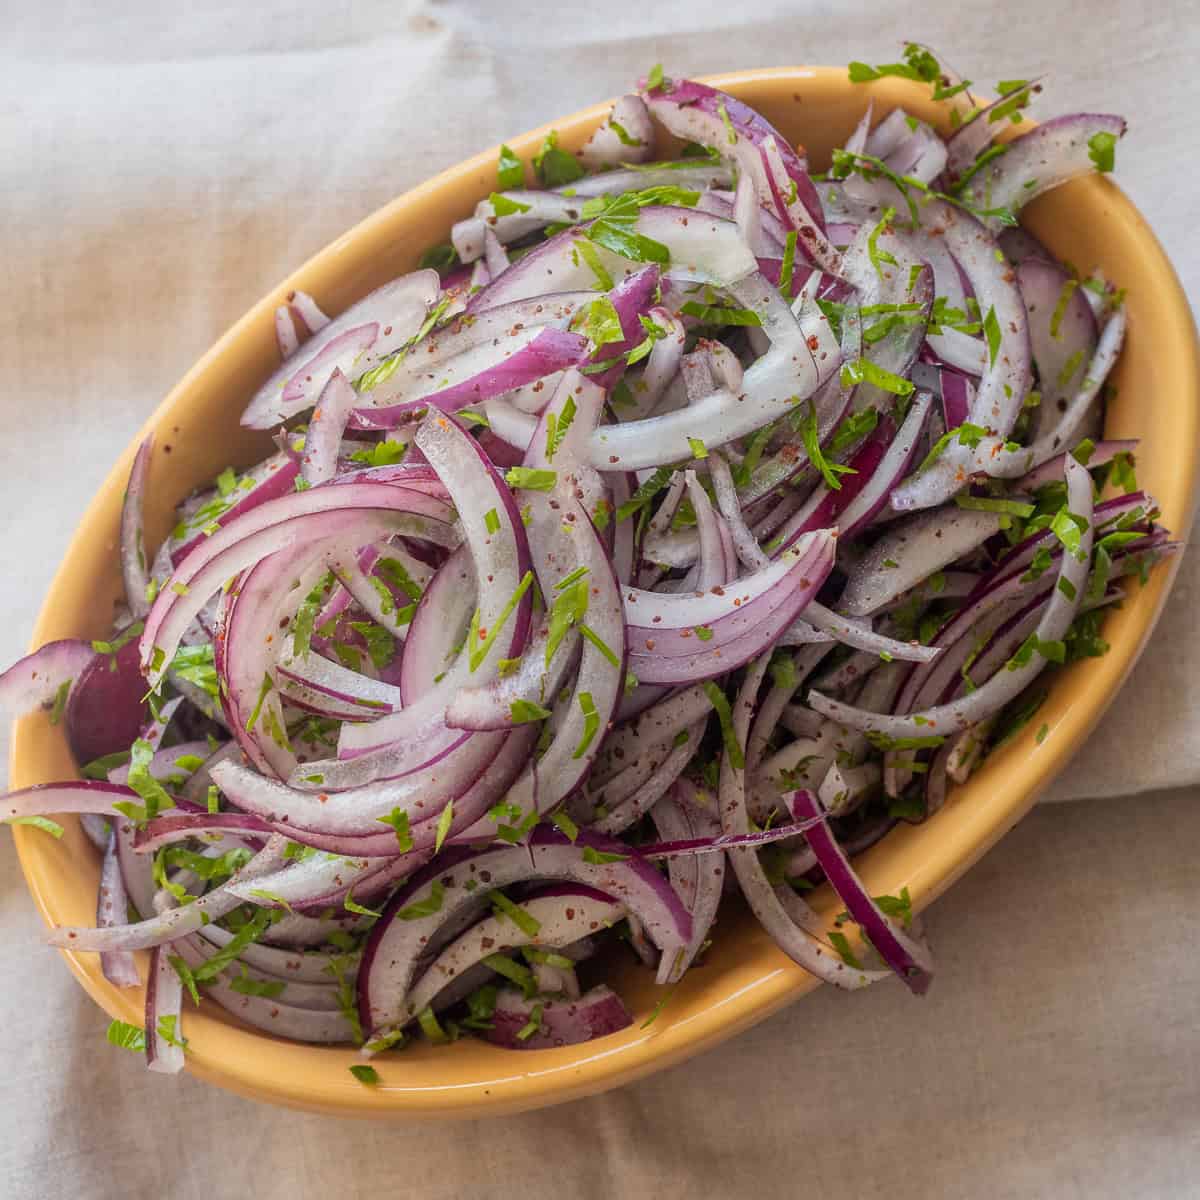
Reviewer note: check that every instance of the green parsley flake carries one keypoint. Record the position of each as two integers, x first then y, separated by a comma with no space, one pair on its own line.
365,1074
532,479
128,1037
565,825
509,171
591,723
439,258
710,314
45,824
532,1025
841,944
788,266
525,711
506,206
445,821
1102,150
427,907
1015,508
863,370
557,425
720,703
520,917
991,329
478,652
553,166
600,858
805,420
601,324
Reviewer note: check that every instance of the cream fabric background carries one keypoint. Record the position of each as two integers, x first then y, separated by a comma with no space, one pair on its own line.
161,168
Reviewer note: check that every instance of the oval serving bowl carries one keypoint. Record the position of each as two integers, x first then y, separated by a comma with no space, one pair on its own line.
745,978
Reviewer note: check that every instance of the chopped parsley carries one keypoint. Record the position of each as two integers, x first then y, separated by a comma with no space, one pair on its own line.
557,425
591,723
128,1037
720,703
509,171
805,421
600,858
532,479
1102,150
528,924
506,206
480,645
863,370
553,166
45,824
525,711
424,908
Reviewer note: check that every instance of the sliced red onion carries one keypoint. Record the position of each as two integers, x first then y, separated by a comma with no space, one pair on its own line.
1052,469
112,908
598,684
911,551
270,479
179,826
133,542
560,920
700,113
769,906
965,750
824,506
439,625
845,788
391,954
626,137
422,794
273,1016
324,437
623,800
906,956
659,723
164,765
851,633
1062,331
743,540
550,350
895,464
287,338
680,816
164,1015
71,796
1003,386
36,679
364,696
792,370
378,509
398,307
742,619
596,1014
1003,686
1049,155
476,342
384,748
1002,463
174,922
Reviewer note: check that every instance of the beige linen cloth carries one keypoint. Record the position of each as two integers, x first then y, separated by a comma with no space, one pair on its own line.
160,167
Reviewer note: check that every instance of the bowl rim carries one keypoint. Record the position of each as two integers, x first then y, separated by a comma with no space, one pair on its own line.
775,982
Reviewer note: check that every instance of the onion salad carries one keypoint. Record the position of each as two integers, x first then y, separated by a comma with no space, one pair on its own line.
684,523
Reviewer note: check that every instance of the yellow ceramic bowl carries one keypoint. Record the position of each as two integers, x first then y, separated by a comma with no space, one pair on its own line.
1088,222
